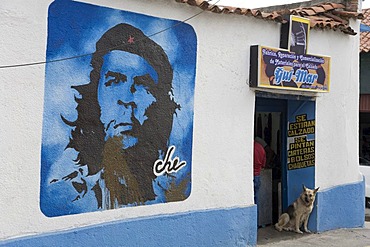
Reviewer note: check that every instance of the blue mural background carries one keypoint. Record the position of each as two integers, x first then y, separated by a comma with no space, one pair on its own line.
73,30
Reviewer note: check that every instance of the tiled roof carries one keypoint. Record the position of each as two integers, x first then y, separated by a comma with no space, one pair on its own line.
324,16
365,36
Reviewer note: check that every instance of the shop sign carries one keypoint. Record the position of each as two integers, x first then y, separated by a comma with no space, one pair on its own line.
291,69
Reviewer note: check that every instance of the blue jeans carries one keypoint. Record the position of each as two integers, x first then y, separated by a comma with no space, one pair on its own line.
257,185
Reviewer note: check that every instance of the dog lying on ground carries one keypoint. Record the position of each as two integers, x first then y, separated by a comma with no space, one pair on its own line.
298,213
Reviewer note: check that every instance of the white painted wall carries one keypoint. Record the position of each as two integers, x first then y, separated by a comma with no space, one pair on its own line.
337,117
222,150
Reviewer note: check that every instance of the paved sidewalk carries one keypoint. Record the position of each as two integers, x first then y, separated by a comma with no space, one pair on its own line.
357,237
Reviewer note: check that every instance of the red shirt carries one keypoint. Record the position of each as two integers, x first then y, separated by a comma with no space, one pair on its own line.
259,158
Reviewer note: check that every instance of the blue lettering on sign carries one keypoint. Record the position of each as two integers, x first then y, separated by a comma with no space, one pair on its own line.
282,75
300,76
305,77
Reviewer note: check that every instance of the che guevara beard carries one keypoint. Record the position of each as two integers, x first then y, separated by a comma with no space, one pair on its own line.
127,174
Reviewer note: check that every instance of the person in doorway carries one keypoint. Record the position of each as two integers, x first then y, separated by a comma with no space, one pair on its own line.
259,162
270,154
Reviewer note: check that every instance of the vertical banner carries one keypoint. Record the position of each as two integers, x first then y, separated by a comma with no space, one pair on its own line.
299,29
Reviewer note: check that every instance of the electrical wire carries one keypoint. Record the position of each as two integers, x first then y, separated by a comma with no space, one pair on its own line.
111,48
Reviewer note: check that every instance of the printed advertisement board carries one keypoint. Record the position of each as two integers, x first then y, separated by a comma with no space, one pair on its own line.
282,69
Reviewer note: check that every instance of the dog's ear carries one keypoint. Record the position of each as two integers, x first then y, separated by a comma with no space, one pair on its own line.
315,191
304,187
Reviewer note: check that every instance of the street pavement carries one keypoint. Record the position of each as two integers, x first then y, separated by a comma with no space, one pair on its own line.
353,237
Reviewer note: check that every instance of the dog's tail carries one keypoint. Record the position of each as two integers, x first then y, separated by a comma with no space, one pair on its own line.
277,227
283,220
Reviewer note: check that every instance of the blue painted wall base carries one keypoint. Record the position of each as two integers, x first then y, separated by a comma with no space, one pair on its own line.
339,207
225,227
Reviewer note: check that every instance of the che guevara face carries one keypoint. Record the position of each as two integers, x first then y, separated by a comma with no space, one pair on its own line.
124,95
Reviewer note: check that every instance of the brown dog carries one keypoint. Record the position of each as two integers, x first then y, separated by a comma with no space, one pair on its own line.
298,213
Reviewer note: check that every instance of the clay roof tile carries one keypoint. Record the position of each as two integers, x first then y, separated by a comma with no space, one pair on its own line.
365,36
325,16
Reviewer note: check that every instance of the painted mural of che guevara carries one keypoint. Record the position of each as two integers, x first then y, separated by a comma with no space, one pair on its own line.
124,120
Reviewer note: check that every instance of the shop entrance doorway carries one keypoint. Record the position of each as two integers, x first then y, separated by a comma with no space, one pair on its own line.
287,126
269,126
